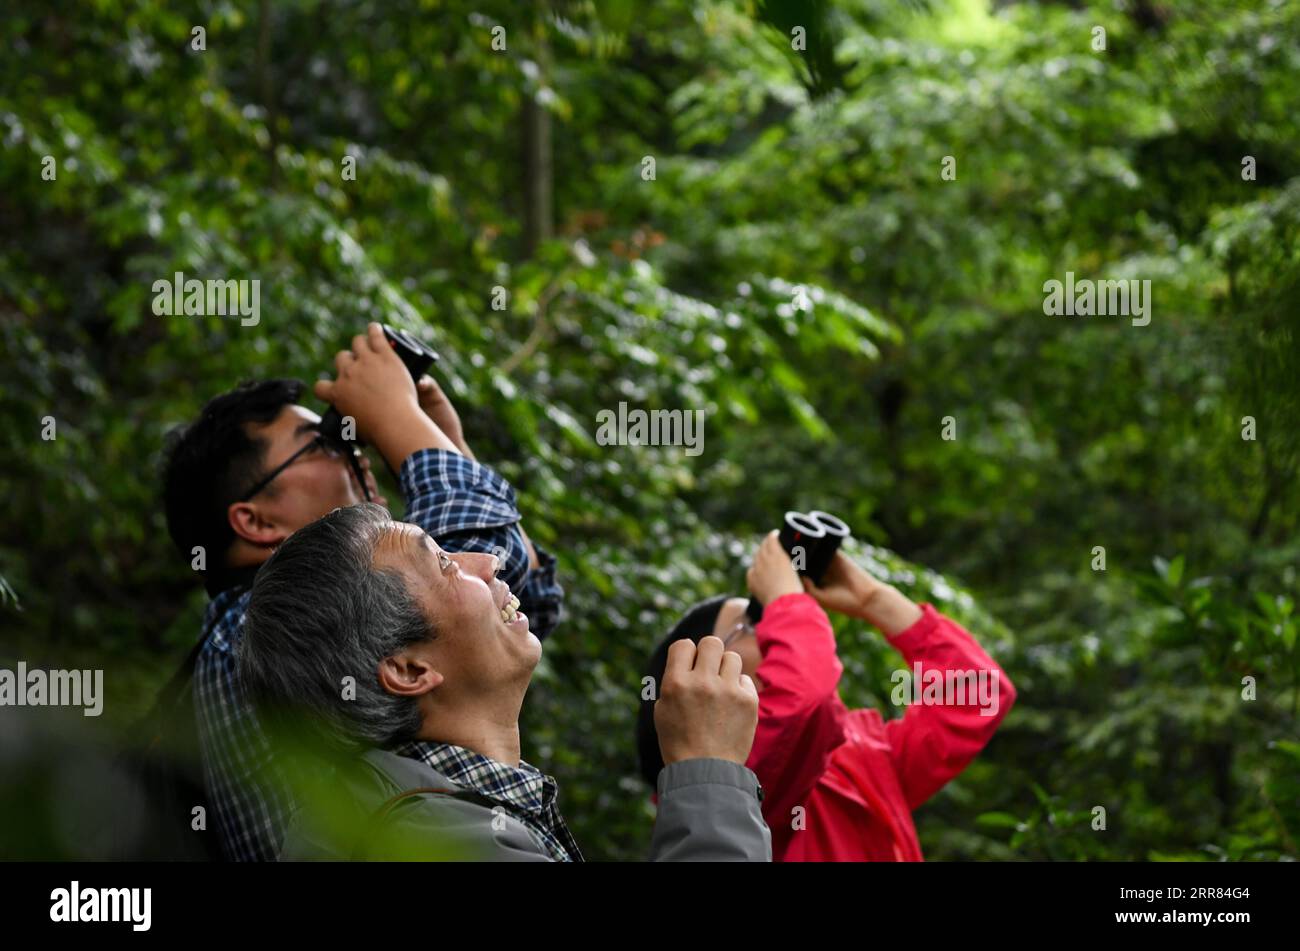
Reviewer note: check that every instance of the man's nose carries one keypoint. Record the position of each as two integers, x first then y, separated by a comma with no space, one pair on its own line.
483,565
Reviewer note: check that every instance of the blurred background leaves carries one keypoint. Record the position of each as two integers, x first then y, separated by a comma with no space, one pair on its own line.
796,267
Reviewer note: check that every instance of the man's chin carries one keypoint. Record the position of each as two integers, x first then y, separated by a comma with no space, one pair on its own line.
518,629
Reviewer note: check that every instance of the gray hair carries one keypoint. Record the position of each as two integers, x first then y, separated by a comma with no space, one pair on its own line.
320,611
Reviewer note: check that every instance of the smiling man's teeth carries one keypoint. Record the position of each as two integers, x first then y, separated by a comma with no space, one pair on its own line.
511,609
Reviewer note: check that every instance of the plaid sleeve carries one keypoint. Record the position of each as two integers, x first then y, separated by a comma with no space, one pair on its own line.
251,808
542,597
466,506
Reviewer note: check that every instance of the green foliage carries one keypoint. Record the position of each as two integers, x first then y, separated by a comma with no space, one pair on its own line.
797,268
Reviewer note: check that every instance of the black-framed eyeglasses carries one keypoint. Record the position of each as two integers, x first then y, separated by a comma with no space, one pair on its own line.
317,442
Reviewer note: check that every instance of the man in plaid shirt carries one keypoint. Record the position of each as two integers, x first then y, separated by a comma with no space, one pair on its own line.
422,761
252,470
525,789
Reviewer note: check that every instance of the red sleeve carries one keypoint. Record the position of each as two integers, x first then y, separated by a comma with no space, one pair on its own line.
800,717
932,743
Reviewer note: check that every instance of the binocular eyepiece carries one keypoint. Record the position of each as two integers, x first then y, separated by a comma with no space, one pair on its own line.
811,540
417,357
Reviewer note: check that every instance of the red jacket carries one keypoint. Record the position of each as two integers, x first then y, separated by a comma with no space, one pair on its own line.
857,776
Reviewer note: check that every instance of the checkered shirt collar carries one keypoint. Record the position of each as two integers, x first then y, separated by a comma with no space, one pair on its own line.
526,787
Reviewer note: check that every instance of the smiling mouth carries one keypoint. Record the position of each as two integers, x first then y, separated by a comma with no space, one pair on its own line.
510,610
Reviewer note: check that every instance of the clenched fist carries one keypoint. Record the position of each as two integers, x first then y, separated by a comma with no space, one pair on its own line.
372,385
374,388
707,708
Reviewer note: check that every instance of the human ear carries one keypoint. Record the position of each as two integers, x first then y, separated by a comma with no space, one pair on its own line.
249,523
408,675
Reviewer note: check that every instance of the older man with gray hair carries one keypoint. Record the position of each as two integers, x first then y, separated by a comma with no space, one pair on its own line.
411,663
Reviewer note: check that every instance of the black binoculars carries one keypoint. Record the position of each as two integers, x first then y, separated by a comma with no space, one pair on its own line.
417,356
811,540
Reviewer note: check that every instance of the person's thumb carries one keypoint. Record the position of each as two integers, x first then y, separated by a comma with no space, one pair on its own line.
324,390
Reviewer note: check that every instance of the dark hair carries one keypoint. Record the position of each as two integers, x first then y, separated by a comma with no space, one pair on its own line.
321,611
695,623
212,461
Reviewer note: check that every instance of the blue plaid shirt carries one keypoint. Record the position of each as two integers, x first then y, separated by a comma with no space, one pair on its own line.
524,791
465,506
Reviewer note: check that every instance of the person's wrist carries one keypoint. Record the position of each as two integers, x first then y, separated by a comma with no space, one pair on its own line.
406,409
868,598
782,592
771,595
671,756
449,424
687,755
891,611
791,585
401,431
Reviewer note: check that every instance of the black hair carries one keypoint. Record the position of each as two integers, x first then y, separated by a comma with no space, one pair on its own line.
696,623
212,461
321,612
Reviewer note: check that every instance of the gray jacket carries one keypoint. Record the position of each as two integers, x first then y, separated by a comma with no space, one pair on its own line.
393,807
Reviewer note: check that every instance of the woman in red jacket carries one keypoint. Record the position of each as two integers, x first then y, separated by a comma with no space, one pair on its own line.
840,784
